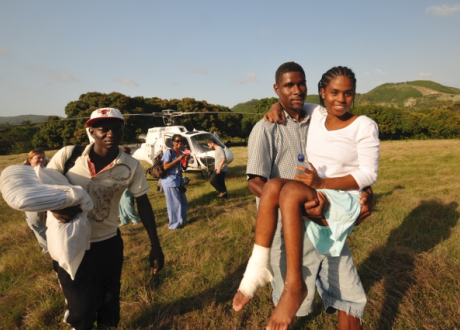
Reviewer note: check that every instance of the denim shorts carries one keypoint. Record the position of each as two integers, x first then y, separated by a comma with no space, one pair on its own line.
335,278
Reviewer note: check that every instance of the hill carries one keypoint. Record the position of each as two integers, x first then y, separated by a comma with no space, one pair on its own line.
17,120
248,106
419,94
413,94
251,106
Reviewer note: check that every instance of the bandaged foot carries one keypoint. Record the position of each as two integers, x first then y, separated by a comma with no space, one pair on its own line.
257,275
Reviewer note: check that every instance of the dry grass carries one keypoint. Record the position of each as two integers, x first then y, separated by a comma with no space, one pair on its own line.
407,254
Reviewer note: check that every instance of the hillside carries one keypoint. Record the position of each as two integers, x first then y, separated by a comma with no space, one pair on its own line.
419,94
17,120
413,94
251,106
248,106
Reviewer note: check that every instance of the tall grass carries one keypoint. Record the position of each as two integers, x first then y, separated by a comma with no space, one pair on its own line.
407,254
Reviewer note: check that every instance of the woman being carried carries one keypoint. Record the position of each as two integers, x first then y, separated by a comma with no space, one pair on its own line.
343,150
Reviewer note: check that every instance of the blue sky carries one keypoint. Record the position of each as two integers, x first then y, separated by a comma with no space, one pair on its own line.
224,52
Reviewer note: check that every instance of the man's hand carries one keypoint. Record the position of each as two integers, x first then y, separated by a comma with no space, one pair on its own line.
275,115
156,254
256,185
367,196
315,209
66,215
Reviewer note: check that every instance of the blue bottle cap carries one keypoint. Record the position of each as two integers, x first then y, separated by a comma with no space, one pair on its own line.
300,157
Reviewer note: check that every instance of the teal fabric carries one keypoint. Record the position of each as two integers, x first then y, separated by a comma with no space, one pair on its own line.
127,210
343,211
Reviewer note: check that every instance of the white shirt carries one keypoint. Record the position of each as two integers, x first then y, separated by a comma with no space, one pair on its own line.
351,150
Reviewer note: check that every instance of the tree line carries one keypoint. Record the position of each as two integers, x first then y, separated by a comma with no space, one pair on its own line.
394,123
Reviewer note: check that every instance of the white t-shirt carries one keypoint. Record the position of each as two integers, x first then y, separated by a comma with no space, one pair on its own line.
351,150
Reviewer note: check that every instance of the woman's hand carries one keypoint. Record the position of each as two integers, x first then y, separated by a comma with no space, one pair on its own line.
310,177
275,115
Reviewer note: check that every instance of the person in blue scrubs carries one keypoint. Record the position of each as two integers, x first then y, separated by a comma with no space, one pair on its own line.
173,183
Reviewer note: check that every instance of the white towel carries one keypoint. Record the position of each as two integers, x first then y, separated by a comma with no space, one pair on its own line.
37,189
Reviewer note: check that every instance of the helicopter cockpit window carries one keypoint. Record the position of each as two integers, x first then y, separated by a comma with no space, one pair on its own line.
168,142
200,142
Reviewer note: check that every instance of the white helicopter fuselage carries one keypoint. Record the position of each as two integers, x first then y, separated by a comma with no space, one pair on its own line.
202,158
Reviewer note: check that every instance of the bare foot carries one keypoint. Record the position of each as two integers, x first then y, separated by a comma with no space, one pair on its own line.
289,304
239,301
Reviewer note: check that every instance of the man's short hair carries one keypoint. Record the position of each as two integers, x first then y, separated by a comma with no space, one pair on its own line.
288,67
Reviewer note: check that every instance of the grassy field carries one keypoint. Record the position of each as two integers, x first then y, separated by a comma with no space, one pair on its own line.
407,254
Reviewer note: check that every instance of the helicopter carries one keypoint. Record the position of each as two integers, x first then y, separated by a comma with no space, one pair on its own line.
159,139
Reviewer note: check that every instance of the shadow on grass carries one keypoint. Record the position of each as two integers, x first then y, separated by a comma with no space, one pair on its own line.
197,206
236,172
423,228
163,315
233,172
211,196
378,197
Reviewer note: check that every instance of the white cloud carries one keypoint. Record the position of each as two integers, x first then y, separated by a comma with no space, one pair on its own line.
248,78
380,72
425,75
126,81
194,70
444,10
56,75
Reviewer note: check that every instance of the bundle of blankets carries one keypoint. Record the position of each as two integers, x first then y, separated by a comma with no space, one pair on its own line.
37,189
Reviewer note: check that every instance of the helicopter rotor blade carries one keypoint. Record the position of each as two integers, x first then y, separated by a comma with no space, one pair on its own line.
162,114
45,122
214,113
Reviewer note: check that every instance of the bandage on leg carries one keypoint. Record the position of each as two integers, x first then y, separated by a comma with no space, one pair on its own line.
258,273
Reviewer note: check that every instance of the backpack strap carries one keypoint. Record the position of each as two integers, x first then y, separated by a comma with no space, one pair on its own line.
76,152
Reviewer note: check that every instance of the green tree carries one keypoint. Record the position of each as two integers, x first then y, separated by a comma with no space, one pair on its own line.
54,133
15,140
441,124
389,120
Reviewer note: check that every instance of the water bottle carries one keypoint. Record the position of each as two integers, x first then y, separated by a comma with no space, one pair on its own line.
300,162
